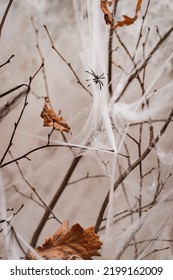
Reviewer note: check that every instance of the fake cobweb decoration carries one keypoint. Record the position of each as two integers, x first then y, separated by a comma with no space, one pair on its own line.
100,154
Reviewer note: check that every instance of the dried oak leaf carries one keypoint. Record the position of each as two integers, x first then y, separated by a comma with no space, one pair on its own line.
128,20
71,243
52,119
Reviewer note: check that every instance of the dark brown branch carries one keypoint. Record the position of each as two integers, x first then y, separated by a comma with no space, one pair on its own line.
110,51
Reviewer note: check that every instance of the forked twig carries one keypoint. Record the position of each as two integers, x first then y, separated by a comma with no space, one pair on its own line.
20,116
131,168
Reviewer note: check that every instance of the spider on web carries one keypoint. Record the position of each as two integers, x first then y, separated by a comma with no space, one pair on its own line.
96,79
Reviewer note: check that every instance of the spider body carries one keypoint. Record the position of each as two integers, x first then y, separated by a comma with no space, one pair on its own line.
97,79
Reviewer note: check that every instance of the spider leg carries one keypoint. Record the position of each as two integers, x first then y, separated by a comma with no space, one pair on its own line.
93,73
100,77
100,84
88,81
89,73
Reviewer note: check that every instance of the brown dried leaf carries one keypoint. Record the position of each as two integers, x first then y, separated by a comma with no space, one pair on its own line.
109,17
128,20
71,243
107,14
51,119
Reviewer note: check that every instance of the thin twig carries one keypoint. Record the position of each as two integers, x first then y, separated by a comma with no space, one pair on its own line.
67,63
28,197
154,251
14,214
41,56
142,26
8,61
87,177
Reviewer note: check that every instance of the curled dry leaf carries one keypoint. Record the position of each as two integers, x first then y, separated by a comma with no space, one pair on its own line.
71,243
107,14
127,20
52,119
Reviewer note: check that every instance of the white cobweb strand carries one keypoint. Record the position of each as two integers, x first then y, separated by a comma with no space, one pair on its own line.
30,249
94,55
91,28
7,246
98,128
108,234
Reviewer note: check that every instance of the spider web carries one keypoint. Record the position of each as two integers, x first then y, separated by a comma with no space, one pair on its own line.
105,133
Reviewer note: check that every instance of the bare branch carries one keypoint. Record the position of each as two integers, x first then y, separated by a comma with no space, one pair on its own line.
5,15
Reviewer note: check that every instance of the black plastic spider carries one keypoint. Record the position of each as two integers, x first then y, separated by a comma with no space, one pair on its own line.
96,79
